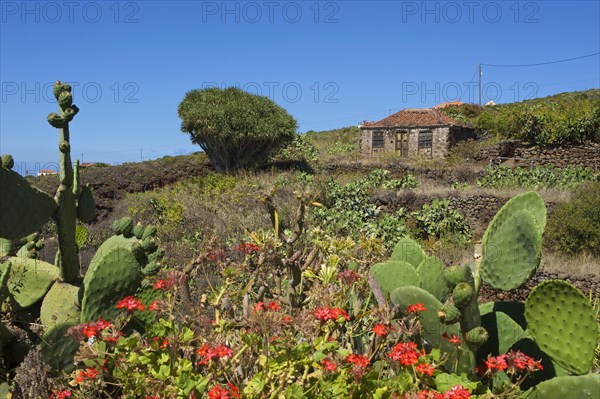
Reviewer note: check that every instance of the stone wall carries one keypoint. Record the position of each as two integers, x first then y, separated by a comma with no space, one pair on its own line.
587,155
478,209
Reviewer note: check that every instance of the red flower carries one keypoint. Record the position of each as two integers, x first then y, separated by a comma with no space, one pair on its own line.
90,373
208,353
427,394
261,306
326,313
454,339
247,248
103,324
153,306
65,393
497,363
416,308
90,331
380,330
162,285
359,360
329,365
457,392
405,353
229,392
130,303
425,368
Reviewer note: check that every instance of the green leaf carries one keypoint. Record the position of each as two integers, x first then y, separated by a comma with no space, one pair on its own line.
444,382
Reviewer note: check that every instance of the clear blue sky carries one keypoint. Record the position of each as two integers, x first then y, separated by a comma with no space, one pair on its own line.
329,63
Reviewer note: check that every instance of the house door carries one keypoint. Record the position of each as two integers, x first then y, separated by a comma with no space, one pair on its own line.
402,143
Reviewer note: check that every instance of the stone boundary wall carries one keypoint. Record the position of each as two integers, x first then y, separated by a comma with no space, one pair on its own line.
587,155
478,209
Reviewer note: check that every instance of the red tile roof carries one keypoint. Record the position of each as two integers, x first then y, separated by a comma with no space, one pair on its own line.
417,117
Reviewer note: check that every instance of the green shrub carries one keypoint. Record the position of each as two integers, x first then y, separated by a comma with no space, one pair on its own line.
536,178
574,226
440,222
300,149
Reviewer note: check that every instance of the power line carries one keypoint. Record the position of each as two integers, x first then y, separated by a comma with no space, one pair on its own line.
540,63
462,93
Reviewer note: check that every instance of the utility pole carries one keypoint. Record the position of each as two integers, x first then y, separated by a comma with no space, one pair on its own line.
479,85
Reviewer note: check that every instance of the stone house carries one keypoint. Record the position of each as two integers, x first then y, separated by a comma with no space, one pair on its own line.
413,132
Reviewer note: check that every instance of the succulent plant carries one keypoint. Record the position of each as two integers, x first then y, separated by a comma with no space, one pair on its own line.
557,316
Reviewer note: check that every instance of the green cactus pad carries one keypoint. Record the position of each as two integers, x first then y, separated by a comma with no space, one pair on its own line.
580,387
513,253
476,337
29,280
149,244
151,269
454,275
82,235
562,322
431,273
156,256
114,273
149,231
138,231
59,348
433,329
123,226
25,209
86,208
393,274
59,305
449,314
407,250
7,161
462,295
529,201
503,321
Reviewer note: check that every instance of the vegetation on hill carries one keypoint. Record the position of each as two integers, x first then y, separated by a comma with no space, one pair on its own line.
565,118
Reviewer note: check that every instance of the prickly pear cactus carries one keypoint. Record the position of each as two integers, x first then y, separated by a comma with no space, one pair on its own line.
580,387
59,348
25,209
60,305
5,247
29,280
503,328
86,207
407,250
123,226
562,322
433,328
512,253
393,274
114,273
431,273
530,202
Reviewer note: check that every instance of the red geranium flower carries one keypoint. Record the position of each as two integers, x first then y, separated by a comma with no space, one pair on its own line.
380,330
425,368
130,303
405,353
416,308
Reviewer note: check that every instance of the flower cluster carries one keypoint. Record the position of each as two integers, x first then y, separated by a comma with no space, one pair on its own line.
326,313
89,373
456,392
329,365
405,353
163,284
261,306
381,330
425,369
359,365
130,303
513,362
228,392
65,393
416,308
247,248
208,352
94,327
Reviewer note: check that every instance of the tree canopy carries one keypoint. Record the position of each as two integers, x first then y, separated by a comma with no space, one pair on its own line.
235,128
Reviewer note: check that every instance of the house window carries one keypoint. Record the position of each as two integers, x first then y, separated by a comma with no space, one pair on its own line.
378,141
425,139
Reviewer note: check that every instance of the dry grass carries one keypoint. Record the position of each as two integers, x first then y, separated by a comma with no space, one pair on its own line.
576,265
